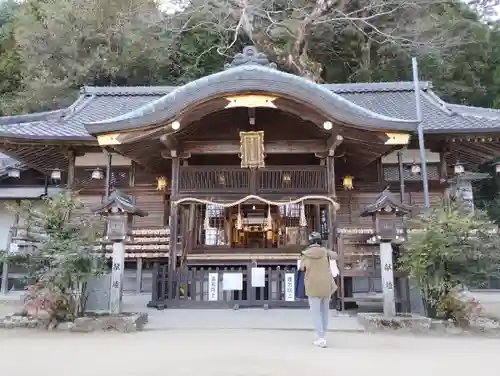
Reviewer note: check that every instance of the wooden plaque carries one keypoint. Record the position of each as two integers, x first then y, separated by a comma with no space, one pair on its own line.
252,149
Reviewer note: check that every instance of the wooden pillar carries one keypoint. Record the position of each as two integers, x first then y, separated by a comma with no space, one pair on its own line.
108,175
334,141
401,176
317,216
70,183
332,213
173,223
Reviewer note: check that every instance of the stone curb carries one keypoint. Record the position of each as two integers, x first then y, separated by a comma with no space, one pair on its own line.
124,323
415,324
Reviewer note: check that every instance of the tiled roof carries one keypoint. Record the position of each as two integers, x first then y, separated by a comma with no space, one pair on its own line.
249,78
389,99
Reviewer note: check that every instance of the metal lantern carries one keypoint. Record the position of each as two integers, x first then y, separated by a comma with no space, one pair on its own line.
97,174
458,168
347,183
415,169
14,172
497,167
56,174
161,183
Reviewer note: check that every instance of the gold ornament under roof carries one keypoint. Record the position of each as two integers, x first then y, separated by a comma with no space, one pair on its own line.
161,183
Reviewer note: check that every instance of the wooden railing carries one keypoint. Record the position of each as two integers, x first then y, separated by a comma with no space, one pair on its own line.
203,179
233,179
304,179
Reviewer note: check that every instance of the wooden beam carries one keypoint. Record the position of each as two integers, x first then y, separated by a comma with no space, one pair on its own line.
169,154
170,141
333,141
271,147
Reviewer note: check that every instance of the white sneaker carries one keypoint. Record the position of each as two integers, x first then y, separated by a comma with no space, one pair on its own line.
321,342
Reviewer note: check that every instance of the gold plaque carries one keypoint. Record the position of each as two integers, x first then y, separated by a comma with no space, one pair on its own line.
397,138
251,101
252,149
108,139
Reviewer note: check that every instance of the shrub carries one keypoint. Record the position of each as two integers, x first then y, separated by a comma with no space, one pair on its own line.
62,259
448,248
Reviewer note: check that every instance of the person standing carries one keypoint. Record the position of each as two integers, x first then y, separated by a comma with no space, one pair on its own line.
319,284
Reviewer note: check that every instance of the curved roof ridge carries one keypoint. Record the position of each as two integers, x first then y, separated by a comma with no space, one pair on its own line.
478,112
434,99
251,78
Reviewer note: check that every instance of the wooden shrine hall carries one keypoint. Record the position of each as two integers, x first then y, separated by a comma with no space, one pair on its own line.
237,167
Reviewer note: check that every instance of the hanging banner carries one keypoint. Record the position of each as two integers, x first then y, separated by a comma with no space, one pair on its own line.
289,287
213,286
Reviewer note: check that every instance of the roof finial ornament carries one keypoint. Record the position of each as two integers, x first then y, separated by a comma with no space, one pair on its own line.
250,56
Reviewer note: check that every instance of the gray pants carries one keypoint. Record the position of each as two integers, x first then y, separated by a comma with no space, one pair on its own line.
320,311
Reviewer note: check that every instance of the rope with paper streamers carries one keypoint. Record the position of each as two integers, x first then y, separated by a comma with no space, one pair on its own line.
258,198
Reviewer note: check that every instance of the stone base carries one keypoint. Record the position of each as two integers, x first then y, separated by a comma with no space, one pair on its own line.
377,322
373,322
125,323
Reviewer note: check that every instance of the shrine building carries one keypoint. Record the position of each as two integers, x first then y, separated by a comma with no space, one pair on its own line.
236,168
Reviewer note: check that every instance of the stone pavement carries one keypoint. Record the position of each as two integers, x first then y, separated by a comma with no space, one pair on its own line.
168,319
241,353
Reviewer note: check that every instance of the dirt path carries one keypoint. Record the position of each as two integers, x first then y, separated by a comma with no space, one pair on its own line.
242,352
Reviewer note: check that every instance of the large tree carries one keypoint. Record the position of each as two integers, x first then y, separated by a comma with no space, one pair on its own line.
63,44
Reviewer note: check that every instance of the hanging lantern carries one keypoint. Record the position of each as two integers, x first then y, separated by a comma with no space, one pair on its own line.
414,169
239,221
97,174
347,183
222,180
161,183
14,172
206,222
458,168
302,219
56,174
497,167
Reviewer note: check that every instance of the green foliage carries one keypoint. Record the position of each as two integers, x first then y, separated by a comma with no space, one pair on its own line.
63,259
451,248
49,49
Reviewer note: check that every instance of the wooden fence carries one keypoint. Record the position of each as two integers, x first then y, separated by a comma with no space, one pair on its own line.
203,287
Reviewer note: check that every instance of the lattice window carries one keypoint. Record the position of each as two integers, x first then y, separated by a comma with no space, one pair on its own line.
391,173
120,177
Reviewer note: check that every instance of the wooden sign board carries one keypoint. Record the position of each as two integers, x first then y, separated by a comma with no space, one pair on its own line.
252,149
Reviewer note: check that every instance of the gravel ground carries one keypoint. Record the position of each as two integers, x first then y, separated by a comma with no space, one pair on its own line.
241,352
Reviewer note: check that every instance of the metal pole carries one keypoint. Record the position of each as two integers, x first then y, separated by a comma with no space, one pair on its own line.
401,176
420,131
